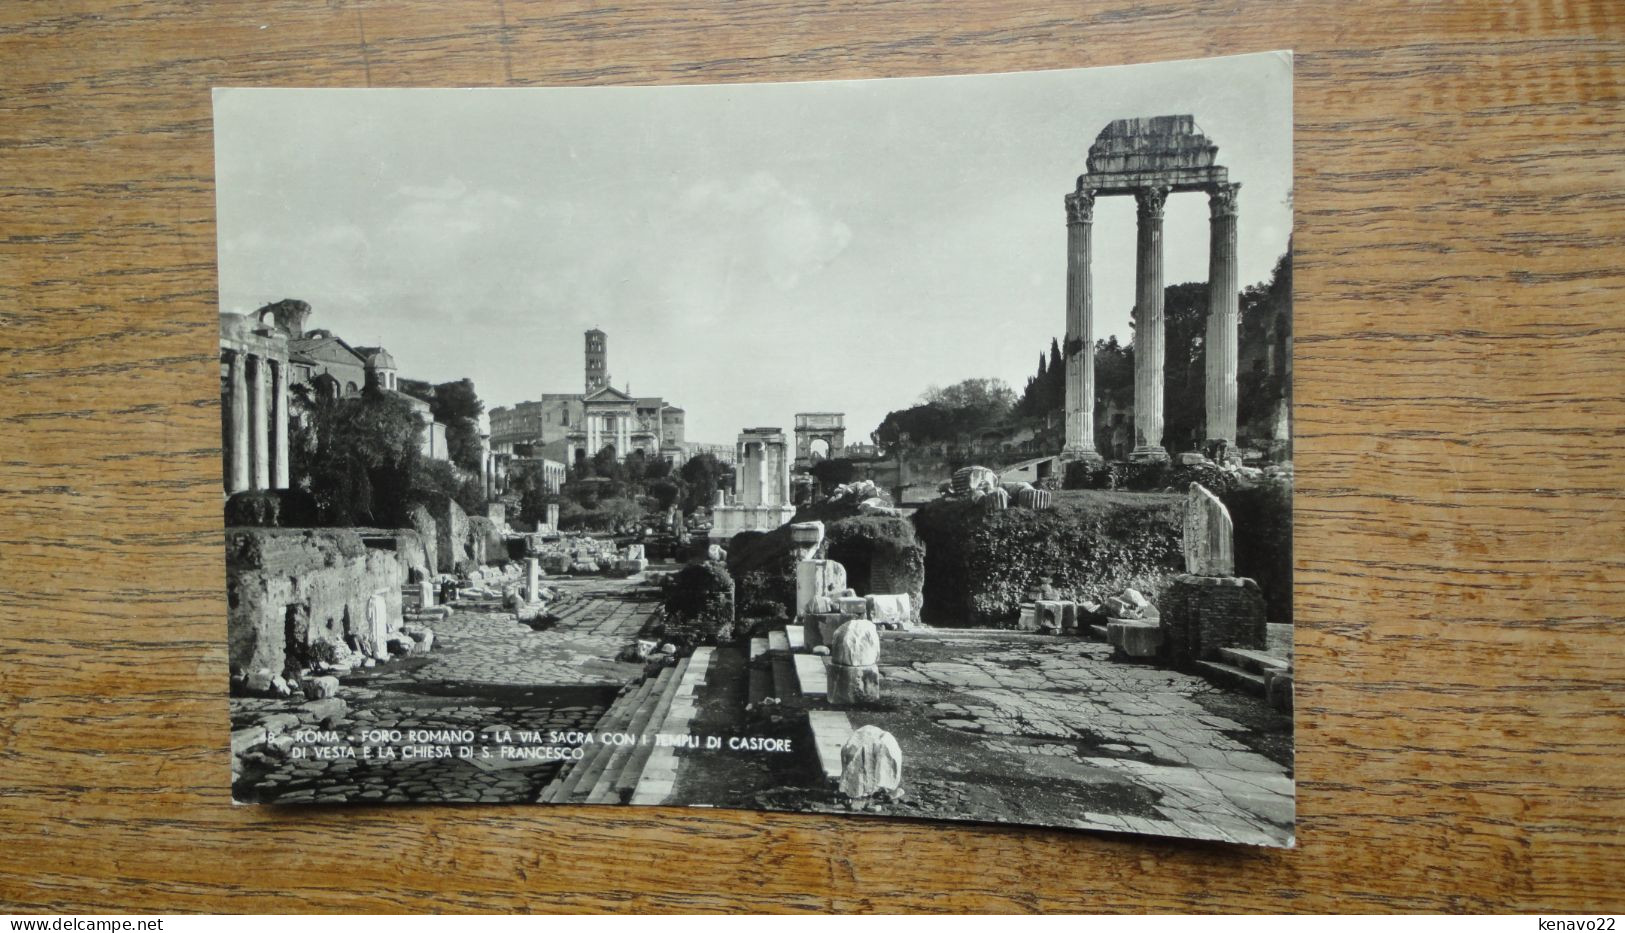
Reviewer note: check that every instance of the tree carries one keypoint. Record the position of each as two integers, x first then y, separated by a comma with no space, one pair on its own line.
832,473
666,492
702,476
457,406
359,456
990,396
528,480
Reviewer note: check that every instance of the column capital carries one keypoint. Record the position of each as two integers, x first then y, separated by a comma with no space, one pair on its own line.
1149,201
1080,207
1221,200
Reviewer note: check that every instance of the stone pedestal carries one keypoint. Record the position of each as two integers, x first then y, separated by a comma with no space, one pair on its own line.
1148,326
1202,614
533,580
852,685
854,670
425,594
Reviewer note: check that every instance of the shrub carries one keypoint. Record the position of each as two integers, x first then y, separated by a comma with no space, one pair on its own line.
700,606
979,565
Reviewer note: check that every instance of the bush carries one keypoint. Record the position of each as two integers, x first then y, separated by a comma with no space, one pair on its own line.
979,565
700,606
271,508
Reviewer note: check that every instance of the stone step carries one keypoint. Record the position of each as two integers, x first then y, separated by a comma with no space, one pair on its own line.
1278,639
621,711
617,717
784,679
677,712
617,754
830,730
656,776
646,719
572,769
1259,662
1226,675
778,641
797,637
812,679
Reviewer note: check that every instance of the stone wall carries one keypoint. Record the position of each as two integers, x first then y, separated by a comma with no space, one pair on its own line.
881,555
451,535
289,588
1200,615
485,542
428,531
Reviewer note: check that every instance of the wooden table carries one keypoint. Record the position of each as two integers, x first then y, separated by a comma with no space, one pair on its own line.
1460,327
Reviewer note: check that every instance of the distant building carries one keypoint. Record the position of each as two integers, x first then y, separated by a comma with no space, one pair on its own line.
571,427
329,367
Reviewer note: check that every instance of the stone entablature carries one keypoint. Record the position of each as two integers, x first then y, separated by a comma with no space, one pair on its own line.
1150,158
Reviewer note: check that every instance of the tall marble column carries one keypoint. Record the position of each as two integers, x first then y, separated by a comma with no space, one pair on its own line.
279,427
259,424
1080,330
1223,304
1148,352
237,477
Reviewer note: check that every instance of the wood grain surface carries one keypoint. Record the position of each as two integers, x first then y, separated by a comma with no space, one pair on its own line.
1461,542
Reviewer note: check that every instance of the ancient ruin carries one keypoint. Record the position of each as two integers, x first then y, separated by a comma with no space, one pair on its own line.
820,435
1150,158
761,497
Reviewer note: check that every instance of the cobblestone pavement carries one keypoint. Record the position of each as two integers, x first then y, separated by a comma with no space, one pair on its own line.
486,673
1109,745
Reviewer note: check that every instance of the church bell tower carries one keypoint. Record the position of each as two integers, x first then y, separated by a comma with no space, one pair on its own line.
597,371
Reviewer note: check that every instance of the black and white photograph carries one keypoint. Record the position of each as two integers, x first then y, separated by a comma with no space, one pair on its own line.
903,448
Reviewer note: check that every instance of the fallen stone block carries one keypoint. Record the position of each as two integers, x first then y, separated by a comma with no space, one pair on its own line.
320,688
1031,498
855,606
1027,620
325,711
1135,639
856,643
871,762
246,739
891,610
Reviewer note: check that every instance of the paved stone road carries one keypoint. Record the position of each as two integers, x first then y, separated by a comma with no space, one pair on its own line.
1062,711
487,672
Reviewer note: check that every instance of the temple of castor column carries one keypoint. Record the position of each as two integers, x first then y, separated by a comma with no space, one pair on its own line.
1150,158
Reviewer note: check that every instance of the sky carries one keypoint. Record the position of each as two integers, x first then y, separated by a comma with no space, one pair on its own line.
751,251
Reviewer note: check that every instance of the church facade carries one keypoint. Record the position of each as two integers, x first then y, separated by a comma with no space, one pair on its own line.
572,427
